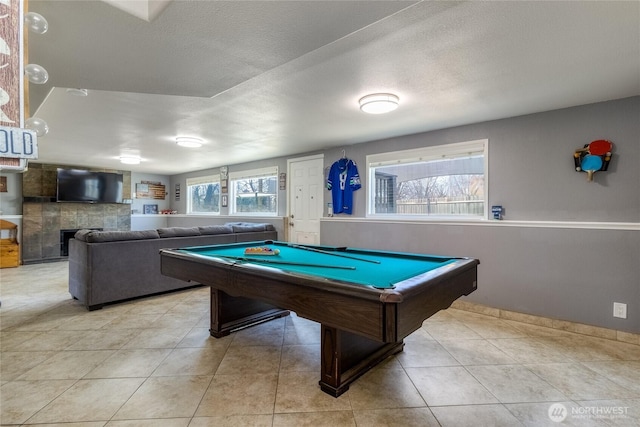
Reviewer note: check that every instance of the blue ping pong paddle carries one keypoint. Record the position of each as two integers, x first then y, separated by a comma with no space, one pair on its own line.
590,164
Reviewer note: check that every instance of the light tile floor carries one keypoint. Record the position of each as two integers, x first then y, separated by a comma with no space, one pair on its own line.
151,362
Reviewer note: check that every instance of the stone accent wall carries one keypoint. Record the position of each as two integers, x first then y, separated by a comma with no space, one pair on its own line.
43,217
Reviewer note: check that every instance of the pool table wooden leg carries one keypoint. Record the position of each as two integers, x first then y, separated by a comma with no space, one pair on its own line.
230,313
345,356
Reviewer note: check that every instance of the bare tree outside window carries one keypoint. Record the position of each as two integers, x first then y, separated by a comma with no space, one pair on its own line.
204,198
444,180
256,195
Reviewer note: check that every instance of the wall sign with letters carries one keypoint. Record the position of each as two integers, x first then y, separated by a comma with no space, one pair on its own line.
18,143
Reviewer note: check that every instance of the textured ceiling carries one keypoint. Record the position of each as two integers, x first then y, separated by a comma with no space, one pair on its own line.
267,79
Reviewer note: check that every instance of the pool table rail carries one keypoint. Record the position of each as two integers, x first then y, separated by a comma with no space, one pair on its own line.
384,315
360,325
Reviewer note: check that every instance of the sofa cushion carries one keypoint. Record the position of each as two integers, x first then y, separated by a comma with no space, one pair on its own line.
94,236
216,229
246,227
178,231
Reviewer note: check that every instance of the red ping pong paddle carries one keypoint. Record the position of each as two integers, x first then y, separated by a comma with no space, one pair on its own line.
600,147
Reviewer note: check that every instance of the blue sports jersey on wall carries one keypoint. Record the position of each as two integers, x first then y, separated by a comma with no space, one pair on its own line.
342,181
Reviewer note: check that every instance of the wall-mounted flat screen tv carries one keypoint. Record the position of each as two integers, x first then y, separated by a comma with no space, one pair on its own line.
76,185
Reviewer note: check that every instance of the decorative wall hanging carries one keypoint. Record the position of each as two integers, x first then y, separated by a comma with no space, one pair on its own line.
150,190
593,157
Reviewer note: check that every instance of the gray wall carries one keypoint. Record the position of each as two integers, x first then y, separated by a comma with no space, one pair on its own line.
531,171
567,249
572,271
181,205
197,220
562,273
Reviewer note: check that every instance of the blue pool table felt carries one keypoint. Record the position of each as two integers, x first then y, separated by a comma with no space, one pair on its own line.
393,267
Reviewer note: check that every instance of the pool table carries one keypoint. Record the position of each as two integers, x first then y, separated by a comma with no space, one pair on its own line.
367,301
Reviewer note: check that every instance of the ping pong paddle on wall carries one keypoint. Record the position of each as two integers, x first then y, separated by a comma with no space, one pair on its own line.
600,147
590,164
593,157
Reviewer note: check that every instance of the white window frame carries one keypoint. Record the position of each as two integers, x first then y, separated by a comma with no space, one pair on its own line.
248,174
207,179
426,154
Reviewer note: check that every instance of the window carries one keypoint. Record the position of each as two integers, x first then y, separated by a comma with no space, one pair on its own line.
203,195
254,192
443,181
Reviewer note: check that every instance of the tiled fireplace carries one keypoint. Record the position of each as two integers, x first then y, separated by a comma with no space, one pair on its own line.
42,223
65,236
43,218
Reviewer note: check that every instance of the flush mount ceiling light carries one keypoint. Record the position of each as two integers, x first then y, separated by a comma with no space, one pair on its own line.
188,141
77,91
130,160
379,103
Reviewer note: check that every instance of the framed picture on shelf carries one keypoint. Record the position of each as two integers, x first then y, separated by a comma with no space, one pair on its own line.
150,209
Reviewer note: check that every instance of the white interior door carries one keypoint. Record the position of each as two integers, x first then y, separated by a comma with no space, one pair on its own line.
306,185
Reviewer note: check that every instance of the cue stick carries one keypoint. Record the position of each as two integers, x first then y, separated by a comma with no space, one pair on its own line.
306,248
275,261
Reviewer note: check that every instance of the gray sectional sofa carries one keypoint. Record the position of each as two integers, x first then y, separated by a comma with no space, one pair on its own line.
111,266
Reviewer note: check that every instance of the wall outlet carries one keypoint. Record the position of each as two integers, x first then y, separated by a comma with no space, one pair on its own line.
620,310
